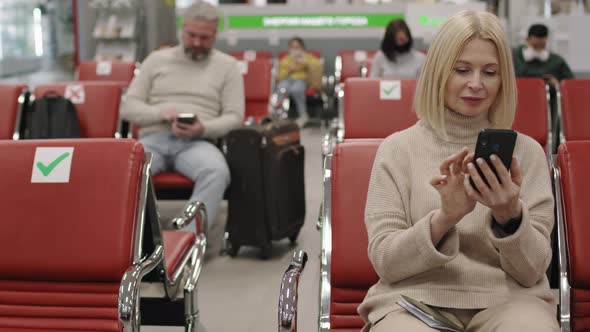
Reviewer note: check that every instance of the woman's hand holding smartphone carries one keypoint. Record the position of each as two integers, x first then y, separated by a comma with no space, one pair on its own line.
487,177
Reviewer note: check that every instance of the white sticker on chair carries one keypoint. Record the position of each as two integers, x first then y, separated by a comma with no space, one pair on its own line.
390,90
104,68
52,165
243,64
360,56
249,55
75,93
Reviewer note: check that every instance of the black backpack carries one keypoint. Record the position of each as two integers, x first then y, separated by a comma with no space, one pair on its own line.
52,116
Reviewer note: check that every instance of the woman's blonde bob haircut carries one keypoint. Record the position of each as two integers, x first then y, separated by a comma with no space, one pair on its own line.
429,101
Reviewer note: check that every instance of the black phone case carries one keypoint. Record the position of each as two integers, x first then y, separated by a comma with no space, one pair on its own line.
494,141
186,120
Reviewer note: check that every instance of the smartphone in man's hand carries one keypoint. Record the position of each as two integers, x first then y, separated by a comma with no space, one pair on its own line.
499,142
186,118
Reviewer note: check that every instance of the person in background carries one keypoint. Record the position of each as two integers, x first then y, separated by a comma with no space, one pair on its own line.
535,60
189,78
397,58
294,70
480,255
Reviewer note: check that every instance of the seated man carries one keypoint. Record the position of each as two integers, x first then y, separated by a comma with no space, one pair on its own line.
534,60
190,78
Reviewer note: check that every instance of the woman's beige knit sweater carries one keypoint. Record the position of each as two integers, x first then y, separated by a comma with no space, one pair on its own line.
471,267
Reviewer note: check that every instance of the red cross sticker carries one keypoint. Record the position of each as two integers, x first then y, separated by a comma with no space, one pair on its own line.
75,93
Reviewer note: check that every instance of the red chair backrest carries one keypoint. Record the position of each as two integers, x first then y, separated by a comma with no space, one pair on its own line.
573,162
115,70
575,109
250,55
9,108
531,116
352,61
352,273
257,87
366,115
97,104
80,230
65,246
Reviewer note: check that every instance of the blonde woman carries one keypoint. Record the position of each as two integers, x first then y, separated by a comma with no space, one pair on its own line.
480,256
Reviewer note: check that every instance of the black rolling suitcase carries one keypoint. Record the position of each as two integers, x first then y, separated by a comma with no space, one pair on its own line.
267,192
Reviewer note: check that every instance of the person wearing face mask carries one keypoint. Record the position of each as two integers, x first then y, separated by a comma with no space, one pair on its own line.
397,58
476,252
534,60
193,78
294,72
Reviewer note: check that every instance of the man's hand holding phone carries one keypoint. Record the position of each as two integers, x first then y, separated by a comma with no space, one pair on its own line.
168,114
187,126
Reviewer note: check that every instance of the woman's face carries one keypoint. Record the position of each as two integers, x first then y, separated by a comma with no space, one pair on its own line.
295,46
401,37
475,80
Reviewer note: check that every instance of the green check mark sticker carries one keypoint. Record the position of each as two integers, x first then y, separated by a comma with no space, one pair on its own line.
52,164
390,90
47,169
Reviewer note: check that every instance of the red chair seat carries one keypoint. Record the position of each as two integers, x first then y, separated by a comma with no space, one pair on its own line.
172,180
310,92
177,244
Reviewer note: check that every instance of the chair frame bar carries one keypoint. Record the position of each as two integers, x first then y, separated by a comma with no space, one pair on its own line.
326,248
564,286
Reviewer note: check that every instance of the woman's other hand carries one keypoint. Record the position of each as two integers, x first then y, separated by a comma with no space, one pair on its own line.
455,202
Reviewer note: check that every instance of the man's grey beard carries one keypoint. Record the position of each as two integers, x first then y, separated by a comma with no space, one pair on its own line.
197,56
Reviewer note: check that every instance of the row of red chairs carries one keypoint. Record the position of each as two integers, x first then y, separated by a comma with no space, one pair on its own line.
365,115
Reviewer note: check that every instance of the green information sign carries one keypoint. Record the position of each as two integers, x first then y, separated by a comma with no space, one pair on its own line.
310,21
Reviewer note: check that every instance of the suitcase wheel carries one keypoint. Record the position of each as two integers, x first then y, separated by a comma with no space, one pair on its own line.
265,251
293,238
232,249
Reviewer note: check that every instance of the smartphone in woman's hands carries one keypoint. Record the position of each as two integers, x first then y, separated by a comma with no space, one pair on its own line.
499,142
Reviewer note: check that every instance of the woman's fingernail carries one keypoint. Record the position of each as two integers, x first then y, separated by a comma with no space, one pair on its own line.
479,161
470,165
493,157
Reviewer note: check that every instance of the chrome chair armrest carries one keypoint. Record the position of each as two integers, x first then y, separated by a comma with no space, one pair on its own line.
129,314
191,308
189,214
289,292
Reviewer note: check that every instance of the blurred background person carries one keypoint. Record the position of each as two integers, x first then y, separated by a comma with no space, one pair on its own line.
294,71
397,58
534,59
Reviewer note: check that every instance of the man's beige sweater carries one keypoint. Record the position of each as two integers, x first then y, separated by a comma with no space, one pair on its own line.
213,89
471,267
